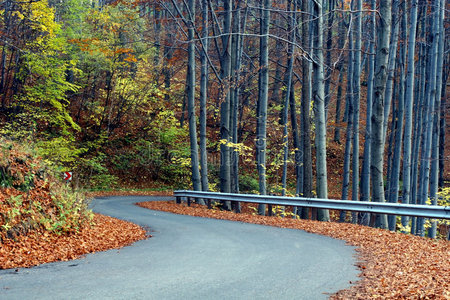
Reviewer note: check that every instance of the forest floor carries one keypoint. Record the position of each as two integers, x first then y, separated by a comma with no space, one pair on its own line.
392,265
38,247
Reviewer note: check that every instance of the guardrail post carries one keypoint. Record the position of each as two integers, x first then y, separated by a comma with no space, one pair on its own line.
189,201
178,200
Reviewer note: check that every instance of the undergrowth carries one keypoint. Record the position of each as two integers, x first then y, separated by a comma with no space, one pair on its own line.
33,198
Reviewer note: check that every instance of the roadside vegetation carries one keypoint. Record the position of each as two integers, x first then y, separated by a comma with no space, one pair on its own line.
42,219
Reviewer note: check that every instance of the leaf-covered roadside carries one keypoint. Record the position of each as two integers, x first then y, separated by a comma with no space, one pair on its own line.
42,247
43,220
393,265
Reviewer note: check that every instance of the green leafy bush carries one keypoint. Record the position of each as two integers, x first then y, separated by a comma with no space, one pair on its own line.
248,184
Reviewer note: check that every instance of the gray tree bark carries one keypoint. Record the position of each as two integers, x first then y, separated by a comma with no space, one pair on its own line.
196,182
330,20
381,60
203,98
356,105
391,65
319,111
349,132
261,141
395,172
431,101
225,162
292,38
409,98
365,170
340,67
434,177
304,154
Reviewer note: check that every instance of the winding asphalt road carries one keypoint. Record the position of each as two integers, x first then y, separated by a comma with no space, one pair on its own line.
192,258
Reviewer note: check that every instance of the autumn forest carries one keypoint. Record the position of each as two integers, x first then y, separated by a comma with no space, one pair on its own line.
329,98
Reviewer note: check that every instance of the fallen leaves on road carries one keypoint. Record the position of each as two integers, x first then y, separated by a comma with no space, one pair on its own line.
38,247
393,265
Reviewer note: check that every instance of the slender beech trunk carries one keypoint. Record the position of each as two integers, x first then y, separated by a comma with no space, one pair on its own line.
237,46
203,98
168,55
341,42
443,124
291,29
304,155
356,104
431,101
225,164
349,132
365,170
390,148
331,13
157,28
434,176
6,32
234,102
261,141
409,98
196,182
381,60
395,172
319,111
419,112
391,65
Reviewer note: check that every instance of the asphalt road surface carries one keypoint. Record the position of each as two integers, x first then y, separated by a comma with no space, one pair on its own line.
192,258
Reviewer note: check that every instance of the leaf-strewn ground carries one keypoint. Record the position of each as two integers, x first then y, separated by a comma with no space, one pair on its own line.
37,248
393,265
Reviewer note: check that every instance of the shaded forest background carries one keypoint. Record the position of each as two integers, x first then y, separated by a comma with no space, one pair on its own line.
106,89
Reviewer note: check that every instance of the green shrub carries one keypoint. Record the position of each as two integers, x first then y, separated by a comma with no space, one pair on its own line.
248,184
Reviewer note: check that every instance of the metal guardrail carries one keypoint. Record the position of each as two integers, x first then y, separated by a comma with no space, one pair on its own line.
426,211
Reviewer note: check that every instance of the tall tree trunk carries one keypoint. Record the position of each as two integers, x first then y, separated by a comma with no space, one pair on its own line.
304,155
395,172
331,13
381,60
391,65
225,176
203,98
341,44
365,171
196,182
349,131
291,29
237,47
443,124
319,111
168,55
419,112
157,28
262,99
356,105
409,98
337,120
434,177
431,101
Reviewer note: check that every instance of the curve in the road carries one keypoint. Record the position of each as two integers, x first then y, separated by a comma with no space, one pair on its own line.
193,258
